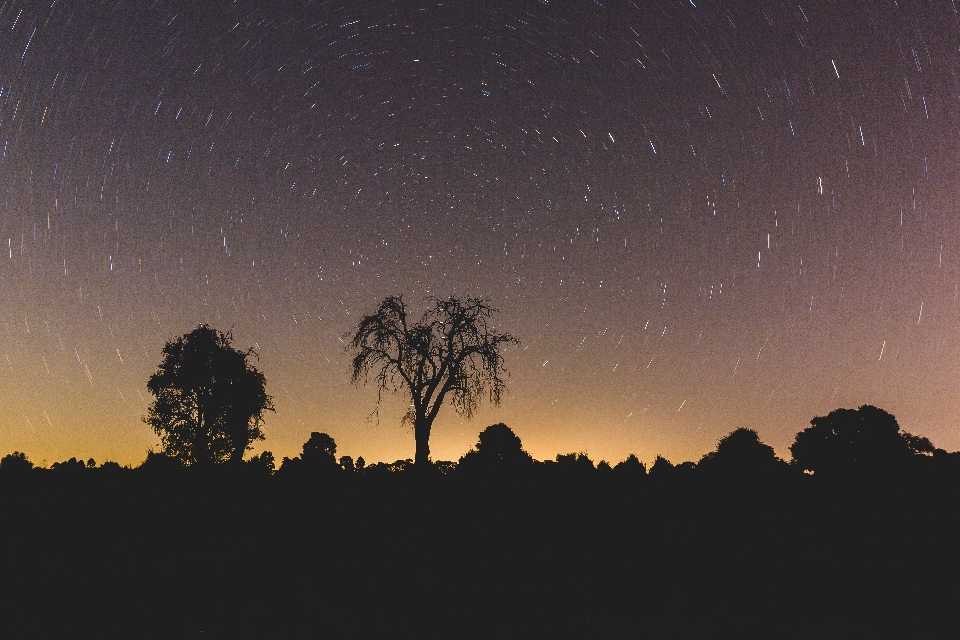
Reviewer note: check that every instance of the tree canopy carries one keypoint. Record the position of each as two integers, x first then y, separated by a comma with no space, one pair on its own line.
847,440
741,453
451,351
210,400
499,450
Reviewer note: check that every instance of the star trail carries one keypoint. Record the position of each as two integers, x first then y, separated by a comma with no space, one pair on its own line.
695,215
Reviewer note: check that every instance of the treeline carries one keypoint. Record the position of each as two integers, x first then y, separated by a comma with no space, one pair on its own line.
866,442
853,538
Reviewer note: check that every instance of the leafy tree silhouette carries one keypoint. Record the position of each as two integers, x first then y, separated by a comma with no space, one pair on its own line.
574,465
71,465
661,468
161,463
499,450
15,462
847,440
262,462
320,450
450,351
210,400
387,469
741,453
318,456
630,468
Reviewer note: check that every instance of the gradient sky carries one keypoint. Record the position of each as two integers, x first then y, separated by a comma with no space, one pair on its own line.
695,215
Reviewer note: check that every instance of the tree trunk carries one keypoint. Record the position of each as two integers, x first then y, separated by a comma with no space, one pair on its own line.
236,455
201,453
238,442
421,433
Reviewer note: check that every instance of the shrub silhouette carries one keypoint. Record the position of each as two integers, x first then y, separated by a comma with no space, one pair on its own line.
263,462
72,465
318,457
499,450
15,462
157,462
630,468
741,454
661,468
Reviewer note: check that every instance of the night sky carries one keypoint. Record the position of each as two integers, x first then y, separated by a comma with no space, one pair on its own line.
695,215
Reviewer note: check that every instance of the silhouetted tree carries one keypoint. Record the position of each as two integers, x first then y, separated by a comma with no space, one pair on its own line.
845,440
574,464
210,400
498,450
263,462
318,456
450,351
661,468
445,467
71,465
918,444
630,468
346,463
157,462
320,450
741,453
386,469
15,462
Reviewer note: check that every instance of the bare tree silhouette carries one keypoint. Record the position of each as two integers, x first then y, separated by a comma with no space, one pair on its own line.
450,351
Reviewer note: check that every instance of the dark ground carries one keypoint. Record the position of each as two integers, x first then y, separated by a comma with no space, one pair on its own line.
132,554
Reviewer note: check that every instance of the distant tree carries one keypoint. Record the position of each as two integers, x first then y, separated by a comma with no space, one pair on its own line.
445,467
15,462
385,469
630,468
741,453
320,450
263,462
661,468
346,463
451,351
847,440
70,465
110,466
210,400
918,444
574,464
685,470
499,450
318,456
157,462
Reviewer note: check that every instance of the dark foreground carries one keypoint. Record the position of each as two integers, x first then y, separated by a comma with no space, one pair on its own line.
131,554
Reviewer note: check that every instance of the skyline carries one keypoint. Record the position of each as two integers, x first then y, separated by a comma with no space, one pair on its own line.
694,216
